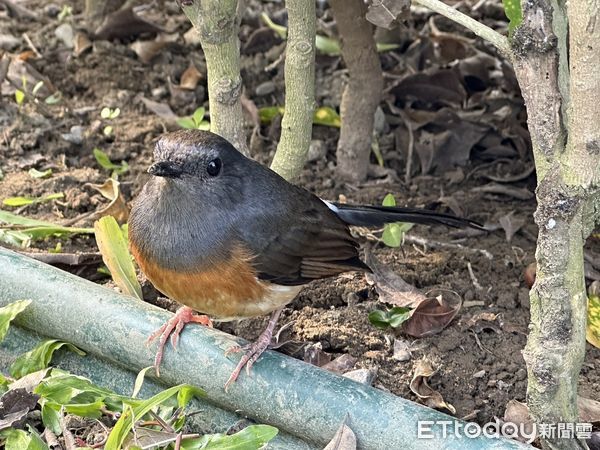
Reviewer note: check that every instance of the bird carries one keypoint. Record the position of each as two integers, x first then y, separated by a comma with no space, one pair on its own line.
230,239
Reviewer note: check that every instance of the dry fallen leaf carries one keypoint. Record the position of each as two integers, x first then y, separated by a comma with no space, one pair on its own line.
518,413
190,78
433,315
509,191
124,23
344,438
117,206
589,410
147,50
314,354
421,389
81,44
436,87
341,364
511,224
431,312
162,110
392,289
388,13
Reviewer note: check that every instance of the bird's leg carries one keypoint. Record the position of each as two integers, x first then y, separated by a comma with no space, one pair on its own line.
254,350
172,328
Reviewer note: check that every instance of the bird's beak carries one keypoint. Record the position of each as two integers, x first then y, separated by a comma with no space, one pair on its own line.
166,169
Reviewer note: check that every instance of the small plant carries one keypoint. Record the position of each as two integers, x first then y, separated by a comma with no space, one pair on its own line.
52,393
65,12
196,121
393,233
21,231
26,201
390,318
21,94
109,114
104,161
34,173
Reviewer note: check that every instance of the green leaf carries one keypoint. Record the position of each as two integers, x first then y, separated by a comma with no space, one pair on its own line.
23,201
198,116
92,410
323,116
116,256
393,233
19,96
54,98
279,29
253,437
186,394
268,113
23,229
8,313
21,440
327,116
593,320
389,200
107,131
391,318
51,417
130,415
61,388
39,357
186,122
37,87
139,381
34,173
376,149
383,47
512,9
105,113
327,45
104,161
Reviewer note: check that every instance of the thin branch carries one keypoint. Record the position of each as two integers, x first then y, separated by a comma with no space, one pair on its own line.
481,30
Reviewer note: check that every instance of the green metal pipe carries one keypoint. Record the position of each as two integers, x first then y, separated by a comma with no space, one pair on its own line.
297,398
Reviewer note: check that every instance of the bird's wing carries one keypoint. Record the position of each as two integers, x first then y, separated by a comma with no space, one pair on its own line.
299,241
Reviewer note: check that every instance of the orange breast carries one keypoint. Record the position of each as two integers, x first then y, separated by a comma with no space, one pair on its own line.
229,290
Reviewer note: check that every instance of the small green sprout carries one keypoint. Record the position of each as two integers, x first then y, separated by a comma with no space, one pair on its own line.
109,114
34,173
104,161
393,233
196,121
391,318
66,11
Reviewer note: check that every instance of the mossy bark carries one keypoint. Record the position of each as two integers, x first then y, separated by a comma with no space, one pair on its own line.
218,26
555,53
296,125
362,94
562,118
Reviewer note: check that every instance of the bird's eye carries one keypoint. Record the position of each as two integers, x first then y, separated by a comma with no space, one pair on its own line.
214,167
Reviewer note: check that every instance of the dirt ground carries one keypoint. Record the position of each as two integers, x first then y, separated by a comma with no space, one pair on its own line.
479,365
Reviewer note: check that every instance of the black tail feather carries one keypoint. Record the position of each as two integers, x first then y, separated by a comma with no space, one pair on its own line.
377,216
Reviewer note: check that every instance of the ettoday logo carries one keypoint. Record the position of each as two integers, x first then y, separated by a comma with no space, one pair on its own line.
429,429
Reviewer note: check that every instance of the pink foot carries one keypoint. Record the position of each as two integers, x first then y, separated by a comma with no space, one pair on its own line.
254,350
172,328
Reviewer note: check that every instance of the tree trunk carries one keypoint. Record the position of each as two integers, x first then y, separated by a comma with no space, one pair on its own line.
567,170
362,94
218,26
296,125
